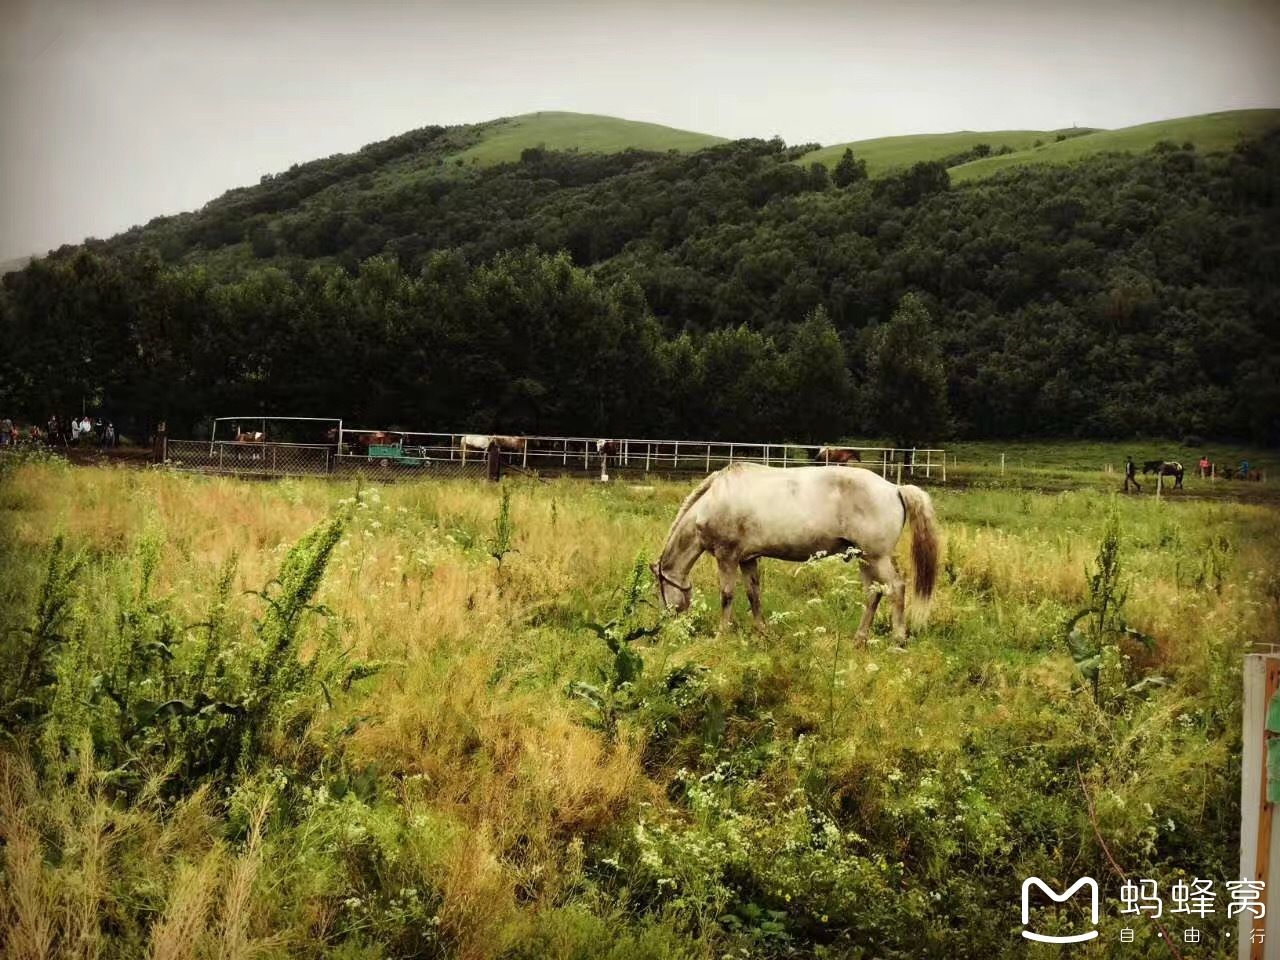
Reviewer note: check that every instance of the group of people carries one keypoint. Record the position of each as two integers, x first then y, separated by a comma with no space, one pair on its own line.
73,431
83,432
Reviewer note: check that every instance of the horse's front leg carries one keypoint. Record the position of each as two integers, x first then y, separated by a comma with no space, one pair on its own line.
872,591
728,567
751,573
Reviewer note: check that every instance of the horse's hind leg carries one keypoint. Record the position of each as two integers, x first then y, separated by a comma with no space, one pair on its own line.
751,573
728,568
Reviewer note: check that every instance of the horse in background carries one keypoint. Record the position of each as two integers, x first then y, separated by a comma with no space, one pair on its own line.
480,442
1165,468
839,455
249,436
747,511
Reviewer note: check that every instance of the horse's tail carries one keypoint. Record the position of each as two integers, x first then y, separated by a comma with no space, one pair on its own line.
924,540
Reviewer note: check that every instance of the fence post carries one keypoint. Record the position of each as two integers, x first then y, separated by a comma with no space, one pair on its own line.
784,456
648,448
586,455
1002,464
731,453
1259,840
884,463
944,466
707,468
899,473
928,464
675,456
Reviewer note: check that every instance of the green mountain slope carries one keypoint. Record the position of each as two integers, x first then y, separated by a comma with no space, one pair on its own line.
884,154
1208,131
503,140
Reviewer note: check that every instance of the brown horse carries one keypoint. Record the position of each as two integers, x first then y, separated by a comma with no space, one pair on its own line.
837,455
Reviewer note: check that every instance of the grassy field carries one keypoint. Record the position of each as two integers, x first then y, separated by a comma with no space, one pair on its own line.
312,719
1210,131
884,154
504,139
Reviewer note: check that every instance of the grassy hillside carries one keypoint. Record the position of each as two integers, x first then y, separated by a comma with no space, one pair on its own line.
1209,131
888,153
503,140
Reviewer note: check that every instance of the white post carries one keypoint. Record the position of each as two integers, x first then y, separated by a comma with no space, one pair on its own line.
586,454
944,466
648,448
1159,482
524,457
884,463
899,473
928,463
1002,464
707,469
675,456
784,456
766,454
731,453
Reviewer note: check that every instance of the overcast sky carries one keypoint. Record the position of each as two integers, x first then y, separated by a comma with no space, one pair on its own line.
115,111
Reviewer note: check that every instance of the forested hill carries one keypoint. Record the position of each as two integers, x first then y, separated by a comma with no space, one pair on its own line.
738,291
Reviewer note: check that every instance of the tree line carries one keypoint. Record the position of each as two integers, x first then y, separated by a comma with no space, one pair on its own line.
729,293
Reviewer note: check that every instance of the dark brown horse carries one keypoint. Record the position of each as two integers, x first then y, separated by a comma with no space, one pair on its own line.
1165,468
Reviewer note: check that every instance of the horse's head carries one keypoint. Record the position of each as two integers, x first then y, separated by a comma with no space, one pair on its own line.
673,594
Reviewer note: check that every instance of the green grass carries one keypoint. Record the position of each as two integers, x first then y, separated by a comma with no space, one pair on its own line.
1208,132
507,786
503,141
884,154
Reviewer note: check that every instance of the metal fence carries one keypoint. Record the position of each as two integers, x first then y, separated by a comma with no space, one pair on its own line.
416,454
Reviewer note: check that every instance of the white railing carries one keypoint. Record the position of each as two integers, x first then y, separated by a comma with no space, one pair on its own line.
422,453
683,456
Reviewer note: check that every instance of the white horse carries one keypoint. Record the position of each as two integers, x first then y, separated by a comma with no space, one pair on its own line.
480,442
748,511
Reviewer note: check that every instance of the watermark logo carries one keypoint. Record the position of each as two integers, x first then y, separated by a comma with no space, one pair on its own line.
1071,891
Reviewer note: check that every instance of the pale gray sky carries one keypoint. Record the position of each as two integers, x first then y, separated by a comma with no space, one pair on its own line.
115,111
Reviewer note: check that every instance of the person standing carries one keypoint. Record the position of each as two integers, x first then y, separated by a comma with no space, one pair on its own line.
109,435
1205,466
6,432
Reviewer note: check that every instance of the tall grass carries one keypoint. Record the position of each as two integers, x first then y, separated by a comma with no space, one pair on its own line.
209,764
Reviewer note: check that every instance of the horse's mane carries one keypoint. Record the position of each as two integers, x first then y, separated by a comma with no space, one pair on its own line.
697,493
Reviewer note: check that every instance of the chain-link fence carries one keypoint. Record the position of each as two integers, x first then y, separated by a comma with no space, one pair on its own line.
250,459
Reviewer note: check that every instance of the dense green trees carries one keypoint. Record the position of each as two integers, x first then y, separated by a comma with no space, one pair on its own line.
725,293
906,380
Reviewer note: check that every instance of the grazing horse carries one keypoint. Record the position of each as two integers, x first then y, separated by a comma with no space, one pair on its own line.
249,436
1151,466
837,455
747,511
